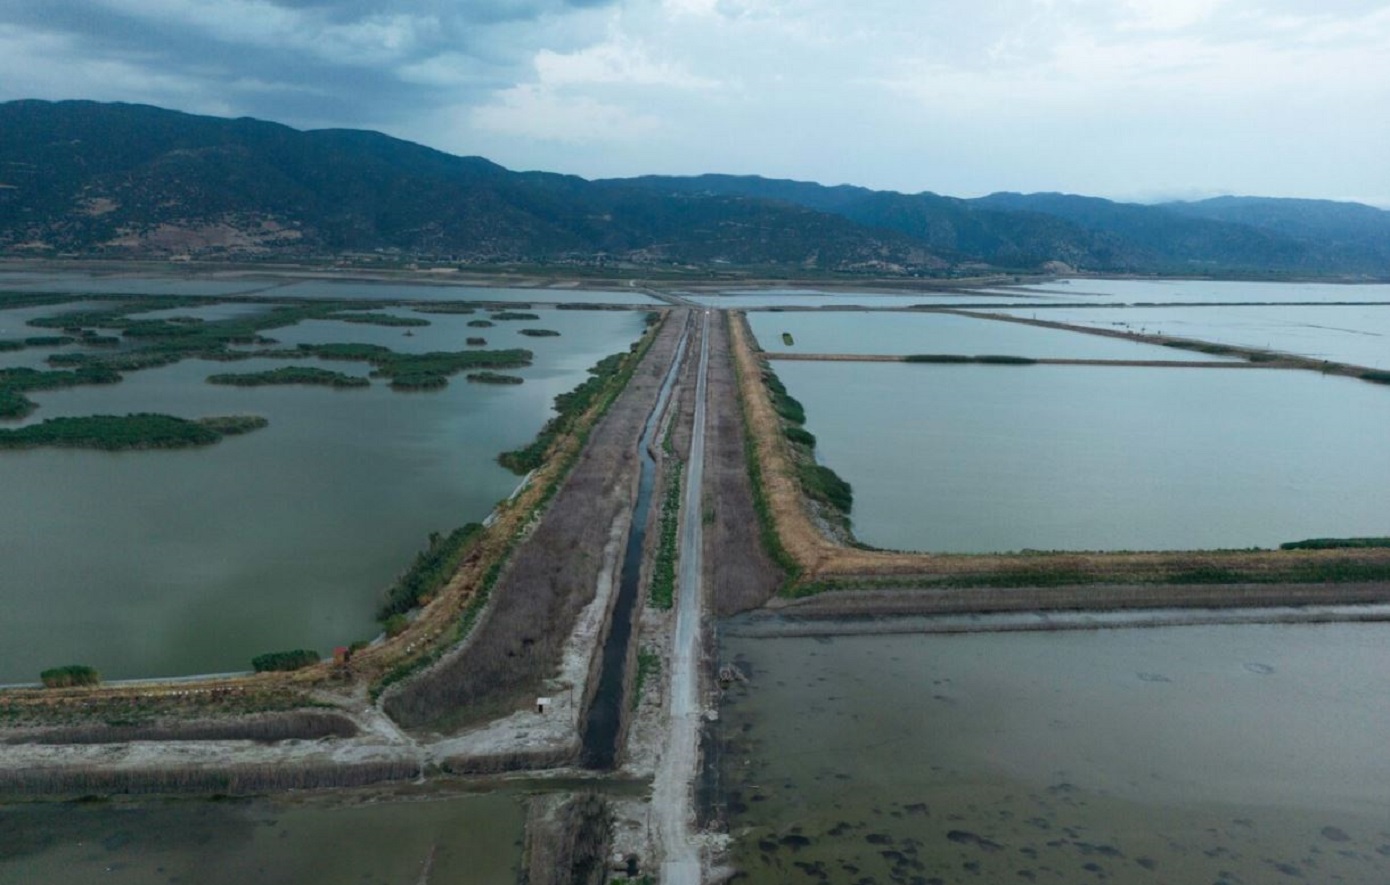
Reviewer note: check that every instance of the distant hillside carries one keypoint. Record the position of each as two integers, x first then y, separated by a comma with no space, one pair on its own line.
1229,236
128,180
82,177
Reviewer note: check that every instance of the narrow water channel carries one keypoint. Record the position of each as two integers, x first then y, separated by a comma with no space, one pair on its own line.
603,722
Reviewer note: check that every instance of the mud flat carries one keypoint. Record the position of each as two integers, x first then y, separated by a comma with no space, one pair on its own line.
1106,755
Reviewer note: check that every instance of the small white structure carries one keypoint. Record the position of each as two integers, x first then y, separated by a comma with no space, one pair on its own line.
543,704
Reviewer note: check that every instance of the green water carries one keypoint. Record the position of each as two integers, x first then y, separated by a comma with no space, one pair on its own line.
471,840
1231,754
907,333
976,458
173,562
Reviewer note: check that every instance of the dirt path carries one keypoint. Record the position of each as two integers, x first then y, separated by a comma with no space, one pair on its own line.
673,813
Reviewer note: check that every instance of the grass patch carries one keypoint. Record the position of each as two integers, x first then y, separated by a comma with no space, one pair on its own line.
663,584
648,668
279,661
126,432
290,375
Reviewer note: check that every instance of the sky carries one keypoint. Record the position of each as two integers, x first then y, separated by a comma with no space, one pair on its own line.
1138,100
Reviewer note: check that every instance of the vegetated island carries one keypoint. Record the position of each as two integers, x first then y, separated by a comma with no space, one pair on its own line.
541,333
446,307
290,375
378,319
481,324
515,315
14,383
114,433
421,371
494,378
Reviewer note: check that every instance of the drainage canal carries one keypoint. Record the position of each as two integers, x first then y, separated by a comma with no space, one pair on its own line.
603,724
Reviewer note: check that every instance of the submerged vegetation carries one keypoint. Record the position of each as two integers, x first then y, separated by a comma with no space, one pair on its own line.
290,375
124,432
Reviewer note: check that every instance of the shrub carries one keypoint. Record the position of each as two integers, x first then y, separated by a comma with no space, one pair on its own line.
284,660
69,676
801,436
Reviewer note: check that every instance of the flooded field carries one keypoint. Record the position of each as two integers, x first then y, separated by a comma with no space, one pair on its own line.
470,840
291,287
977,458
1225,754
908,333
1359,335
150,563
775,298
1201,291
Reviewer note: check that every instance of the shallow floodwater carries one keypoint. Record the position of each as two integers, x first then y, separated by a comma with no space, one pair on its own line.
978,458
803,298
1202,291
908,333
1231,754
470,840
1359,335
171,562
272,286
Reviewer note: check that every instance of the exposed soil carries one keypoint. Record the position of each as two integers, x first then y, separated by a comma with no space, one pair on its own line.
550,577
739,573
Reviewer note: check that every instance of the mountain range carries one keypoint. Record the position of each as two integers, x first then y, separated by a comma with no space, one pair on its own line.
113,180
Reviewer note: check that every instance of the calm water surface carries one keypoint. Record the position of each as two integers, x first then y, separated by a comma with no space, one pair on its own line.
170,562
1166,291
906,333
1233,754
470,840
978,458
1359,335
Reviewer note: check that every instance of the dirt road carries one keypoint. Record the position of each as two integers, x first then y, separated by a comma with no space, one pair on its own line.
673,813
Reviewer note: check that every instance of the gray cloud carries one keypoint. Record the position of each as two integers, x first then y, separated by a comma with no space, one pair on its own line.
1282,97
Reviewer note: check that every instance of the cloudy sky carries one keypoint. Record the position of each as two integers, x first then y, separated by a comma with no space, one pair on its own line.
1131,99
